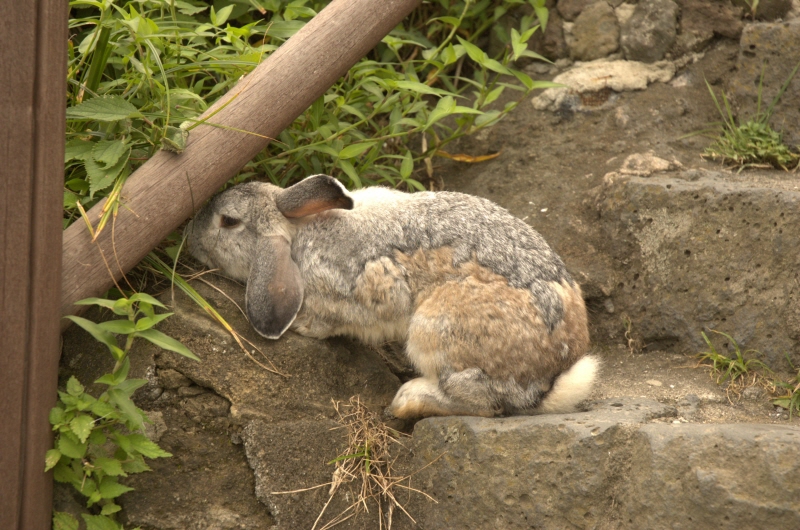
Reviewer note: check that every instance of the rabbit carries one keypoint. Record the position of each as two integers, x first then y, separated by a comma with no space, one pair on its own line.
491,319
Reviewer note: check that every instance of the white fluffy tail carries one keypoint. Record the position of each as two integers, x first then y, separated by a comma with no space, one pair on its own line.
571,387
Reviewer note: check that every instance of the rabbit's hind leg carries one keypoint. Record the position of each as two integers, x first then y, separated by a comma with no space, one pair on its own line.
460,394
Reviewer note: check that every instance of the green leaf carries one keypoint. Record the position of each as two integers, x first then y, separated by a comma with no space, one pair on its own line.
351,172
77,149
130,412
118,376
70,446
168,343
144,297
493,95
65,474
99,334
420,88
74,387
108,152
517,44
110,466
110,488
103,302
64,521
97,437
129,386
444,107
110,508
487,118
101,409
135,464
100,522
186,8
148,322
283,29
94,495
353,150
146,447
124,327
101,177
221,16
105,108
51,458
475,53
82,425
407,166
57,416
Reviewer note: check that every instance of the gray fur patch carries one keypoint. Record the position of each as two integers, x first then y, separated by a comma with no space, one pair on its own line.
337,245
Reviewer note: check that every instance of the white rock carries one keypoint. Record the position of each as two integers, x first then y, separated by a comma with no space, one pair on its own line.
618,75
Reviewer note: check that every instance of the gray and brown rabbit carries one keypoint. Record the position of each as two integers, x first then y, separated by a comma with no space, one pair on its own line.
491,319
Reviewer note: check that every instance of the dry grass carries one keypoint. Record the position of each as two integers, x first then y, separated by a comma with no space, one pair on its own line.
367,464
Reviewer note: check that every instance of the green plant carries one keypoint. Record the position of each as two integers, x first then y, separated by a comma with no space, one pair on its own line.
98,440
753,142
140,72
791,398
734,370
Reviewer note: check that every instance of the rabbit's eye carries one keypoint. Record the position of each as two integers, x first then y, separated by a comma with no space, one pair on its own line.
228,222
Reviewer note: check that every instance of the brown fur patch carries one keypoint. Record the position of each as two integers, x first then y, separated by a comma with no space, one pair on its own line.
469,317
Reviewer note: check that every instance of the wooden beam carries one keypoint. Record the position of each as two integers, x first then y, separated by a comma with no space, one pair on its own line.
169,187
33,51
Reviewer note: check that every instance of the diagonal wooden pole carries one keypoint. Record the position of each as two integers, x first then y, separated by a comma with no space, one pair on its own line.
166,190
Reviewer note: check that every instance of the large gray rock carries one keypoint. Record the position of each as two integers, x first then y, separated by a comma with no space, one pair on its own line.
698,250
606,468
702,20
650,32
595,33
775,47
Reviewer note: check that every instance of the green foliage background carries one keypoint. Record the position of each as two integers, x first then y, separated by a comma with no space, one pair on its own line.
139,69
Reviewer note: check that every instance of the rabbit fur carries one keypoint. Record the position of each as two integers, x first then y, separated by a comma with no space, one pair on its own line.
491,319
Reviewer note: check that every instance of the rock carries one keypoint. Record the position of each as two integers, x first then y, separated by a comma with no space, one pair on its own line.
701,20
282,460
606,468
551,42
570,9
707,250
775,47
282,419
171,380
206,484
156,428
645,164
595,33
650,31
767,10
600,75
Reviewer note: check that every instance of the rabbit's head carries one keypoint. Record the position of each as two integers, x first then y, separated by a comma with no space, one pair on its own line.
247,230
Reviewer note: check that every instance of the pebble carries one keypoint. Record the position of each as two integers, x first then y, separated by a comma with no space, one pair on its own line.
653,382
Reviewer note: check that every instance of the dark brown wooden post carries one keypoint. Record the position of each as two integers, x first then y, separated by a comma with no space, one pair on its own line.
33,50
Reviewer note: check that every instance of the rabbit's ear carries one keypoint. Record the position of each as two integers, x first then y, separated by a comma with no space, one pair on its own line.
274,289
313,195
